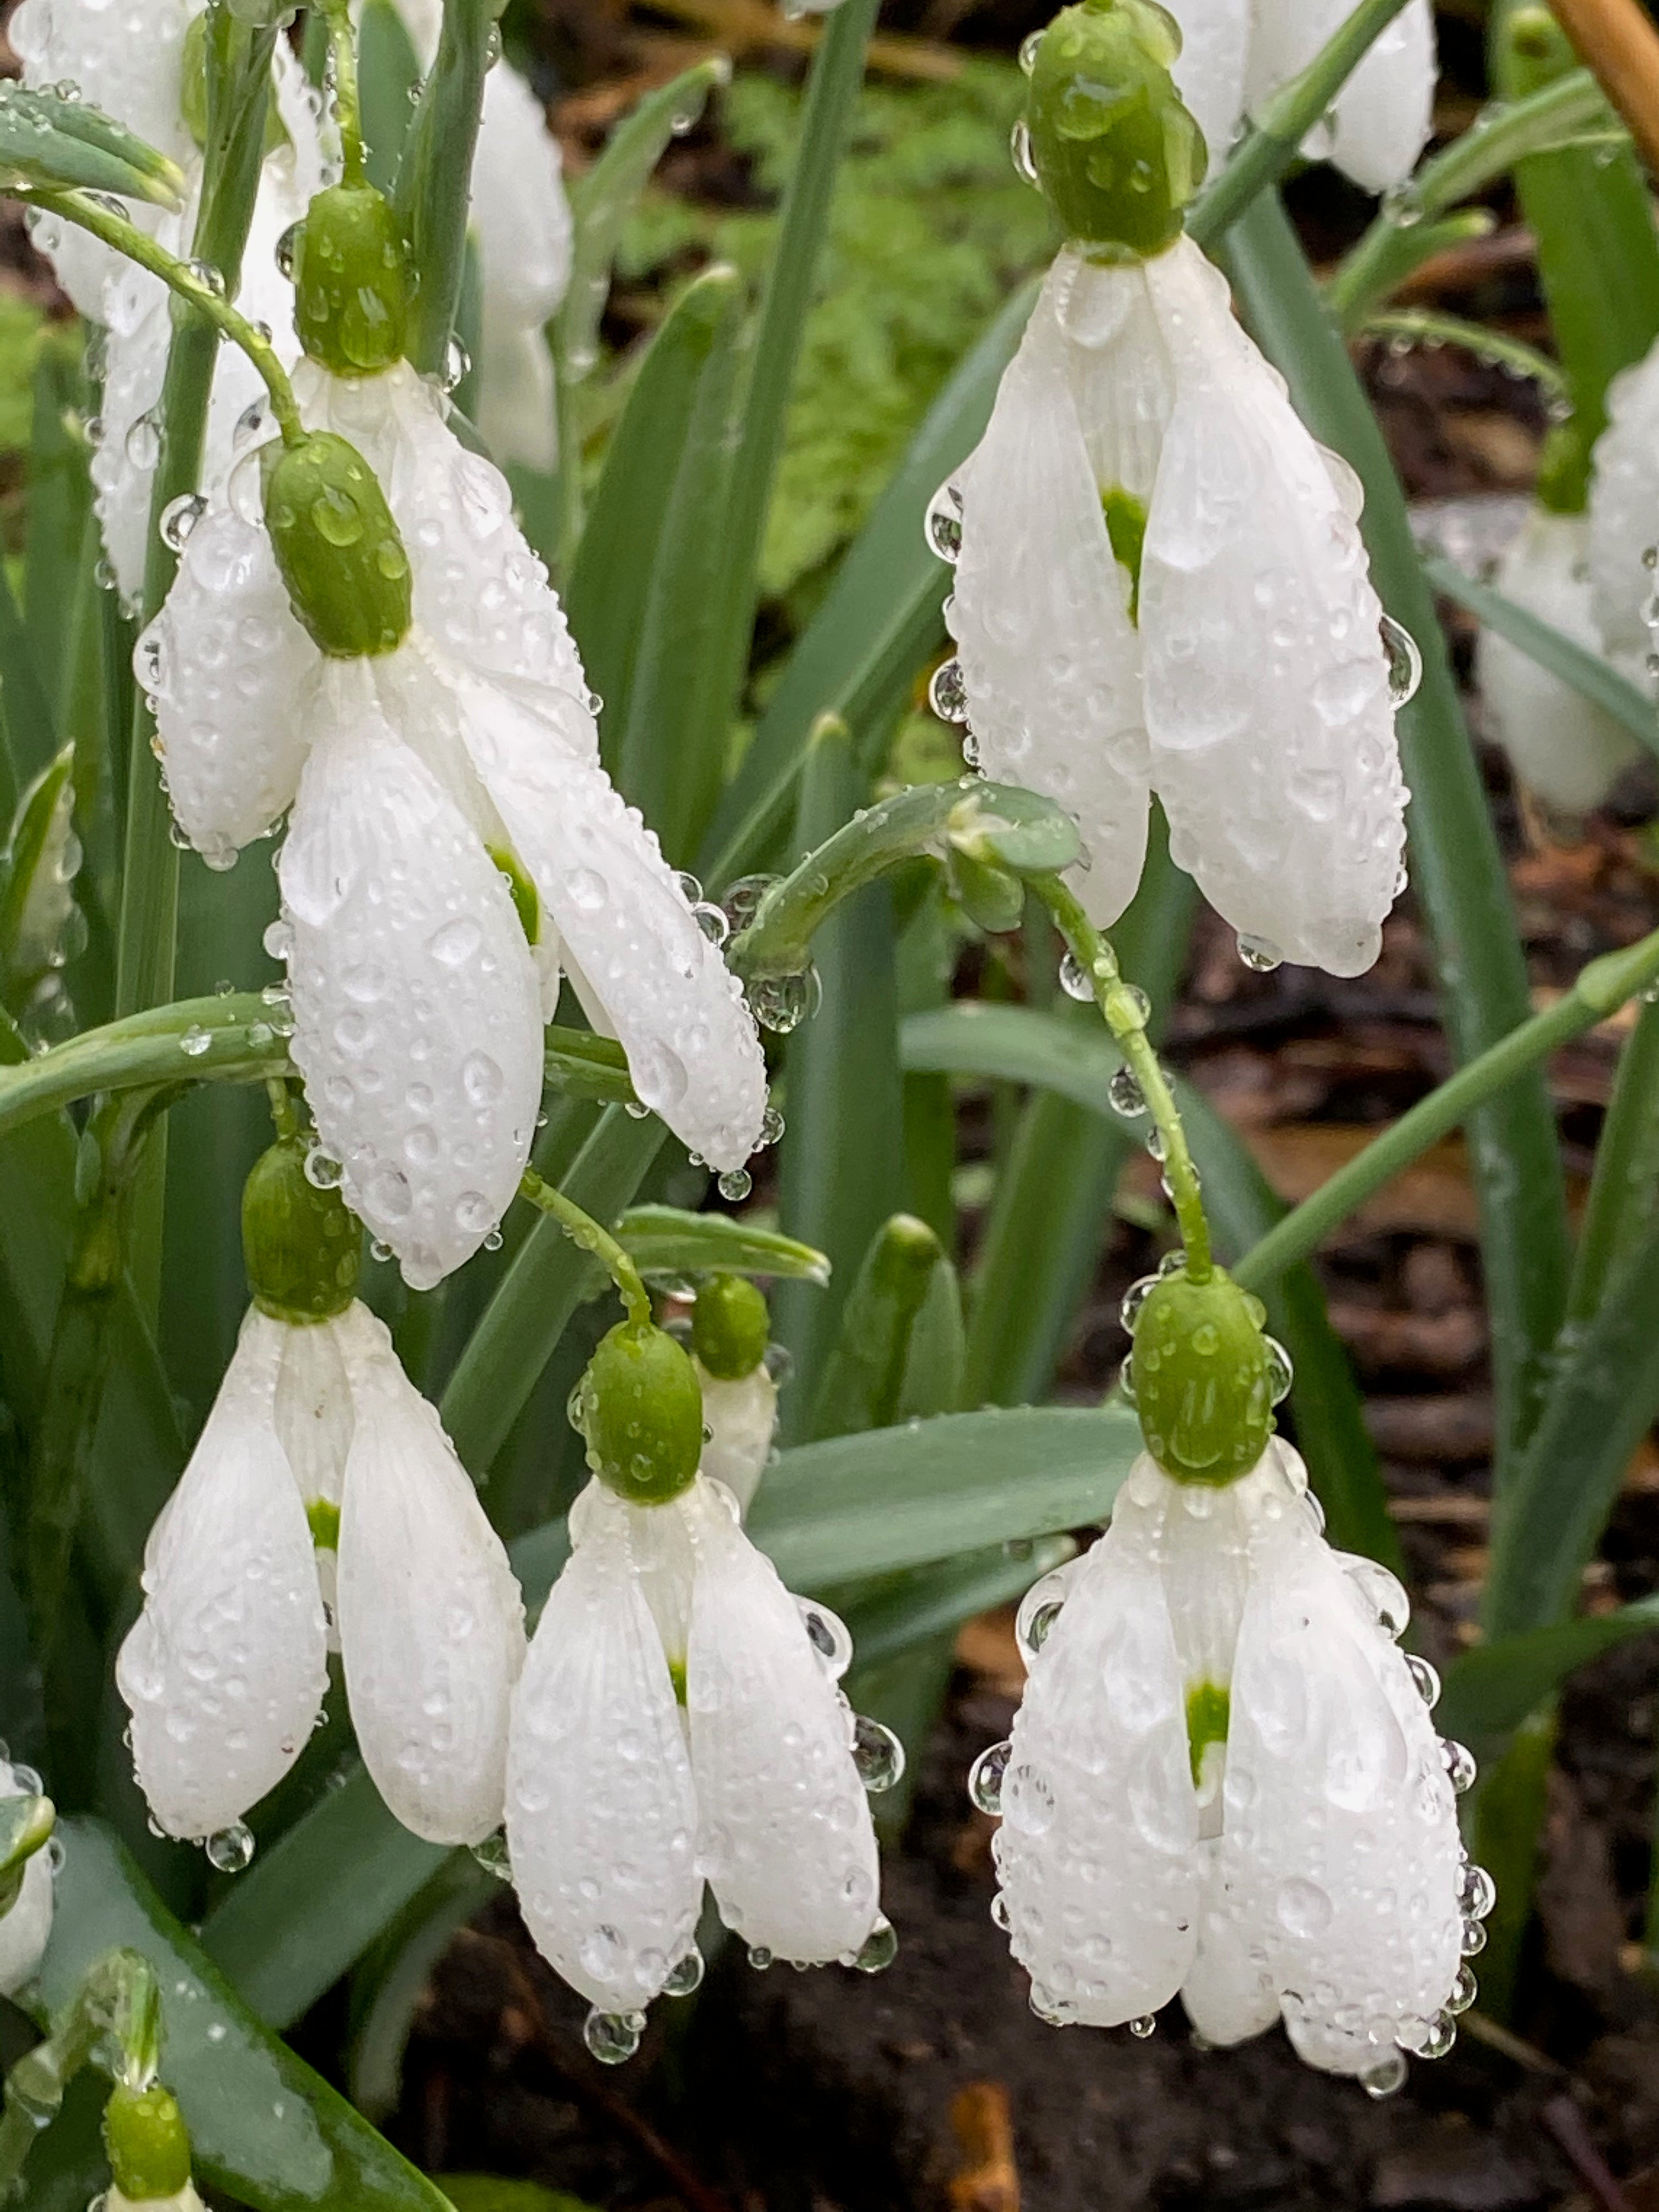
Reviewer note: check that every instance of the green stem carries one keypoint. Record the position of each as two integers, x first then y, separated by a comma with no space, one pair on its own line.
1424,327
284,1120
1126,1011
583,1229
1602,987
348,102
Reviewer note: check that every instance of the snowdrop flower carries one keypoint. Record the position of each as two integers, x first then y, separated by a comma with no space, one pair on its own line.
454,844
1624,518
678,1721
1236,54
1562,746
1224,1780
730,1351
26,1894
1160,584
323,1502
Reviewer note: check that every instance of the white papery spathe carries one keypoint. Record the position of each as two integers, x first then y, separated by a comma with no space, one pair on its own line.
619,1806
1253,693
418,775
1236,54
1563,745
224,1669
26,1925
1624,517
740,1418
1313,1868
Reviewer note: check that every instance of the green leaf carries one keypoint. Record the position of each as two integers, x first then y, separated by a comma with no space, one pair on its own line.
1624,1188
487,2192
388,75
900,1339
1588,674
264,2126
664,1239
58,526
37,905
1490,1690
388,1984
25,713
889,1614
47,140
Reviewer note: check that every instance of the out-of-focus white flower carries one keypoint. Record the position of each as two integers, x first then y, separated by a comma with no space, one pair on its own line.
1244,677
420,775
1224,1780
1236,54
1563,746
1623,516
678,1721
25,1924
322,1484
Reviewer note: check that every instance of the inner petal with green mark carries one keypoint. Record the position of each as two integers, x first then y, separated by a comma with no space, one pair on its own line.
1208,1704
527,904
324,1516
1126,525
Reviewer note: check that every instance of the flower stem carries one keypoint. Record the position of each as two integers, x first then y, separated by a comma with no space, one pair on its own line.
1125,1011
583,1229
347,100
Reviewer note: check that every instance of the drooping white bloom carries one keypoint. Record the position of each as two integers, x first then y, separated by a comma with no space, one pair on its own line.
26,1923
740,1417
1236,54
323,1483
1223,1781
1563,746
1247,682
414,779
1623,516
620,1803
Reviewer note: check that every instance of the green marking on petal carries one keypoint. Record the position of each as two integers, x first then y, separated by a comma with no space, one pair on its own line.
526,902
1126,525
1208,1707
677,1676
324,1516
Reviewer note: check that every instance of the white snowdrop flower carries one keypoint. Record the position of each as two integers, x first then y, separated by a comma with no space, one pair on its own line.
1161,587
730,1328
1623,516
25,1924
1563,746
182,2200
319,1448
415,777
1236,54
1223,1781
678,1721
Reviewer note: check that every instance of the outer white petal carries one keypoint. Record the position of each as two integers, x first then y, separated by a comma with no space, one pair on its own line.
1227,1994
431,1620
1040,606
1102,1873
1340,1856
1565,747
740,1418
224,1669
1209,72
232,676
1623,508
639,961
24,1929
417,1022
784,1833
1385,111
600,1812
522,222
1267,699
182,2200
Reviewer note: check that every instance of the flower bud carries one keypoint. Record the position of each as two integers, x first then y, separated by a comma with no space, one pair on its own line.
1116,153
1200,1373
193,94
301,1248
336,545
148,2143
350,282
640,1406
731,1326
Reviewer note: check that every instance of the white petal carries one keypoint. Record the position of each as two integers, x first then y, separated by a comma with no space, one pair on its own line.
1569,750
1623,508
1209,72
417,1023
600,1814
1385,111
26,1926
140,331
1101,1872
784,1833
224,1670
1040,606
1267,699
740,1418
1227,1994
517,416
313,1410
520,211
630,940
1340,1856
431,1620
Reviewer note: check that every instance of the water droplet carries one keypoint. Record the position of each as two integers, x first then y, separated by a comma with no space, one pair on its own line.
943,527
1385,2077
1125,1096
736,1184
1028,51
1405,662
1439,2034
195,1042
231,1850
1380,1591
771,1128
322,1172
711,920
1145,2025
1461,1769
1424,1678
613,2036
1076,982
947,691
1472,1938
1477,1893
1260,954
144,442
179,518
986,1777
1019,152
684,1975
759,1957
878,1949
457,363
211,279
782,1003
877,1755
1001,1915
1280,1373
1134,1297
1463,1992
828,1635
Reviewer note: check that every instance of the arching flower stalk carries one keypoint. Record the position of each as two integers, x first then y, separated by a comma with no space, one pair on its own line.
678,1721
323,1507
1160,585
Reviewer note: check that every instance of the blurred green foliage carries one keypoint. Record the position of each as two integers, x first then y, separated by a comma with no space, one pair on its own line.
21,324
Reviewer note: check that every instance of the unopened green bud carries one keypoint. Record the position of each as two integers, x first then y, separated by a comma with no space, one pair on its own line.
1117,155
1200,1372
993,898
147,2141
1532,50
640,1406
336,545
352,284
301,1248
193,95
731,1326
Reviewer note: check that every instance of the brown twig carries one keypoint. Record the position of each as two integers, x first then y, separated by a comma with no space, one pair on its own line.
1615,39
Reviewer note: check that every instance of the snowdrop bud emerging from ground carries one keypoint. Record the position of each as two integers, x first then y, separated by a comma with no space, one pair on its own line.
1160,581
1623,516
1562,746
730,1330
1224,1779
323,1500
678,1721
26,1891
148,2149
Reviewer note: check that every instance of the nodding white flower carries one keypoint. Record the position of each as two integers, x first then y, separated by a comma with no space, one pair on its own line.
1236,54
1224,1780
415,778
182,2200
1563,745
322,1484
740,1416
1624,517
25,1924
1160,586
678,1721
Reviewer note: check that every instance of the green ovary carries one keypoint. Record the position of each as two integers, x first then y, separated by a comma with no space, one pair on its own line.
1208,1706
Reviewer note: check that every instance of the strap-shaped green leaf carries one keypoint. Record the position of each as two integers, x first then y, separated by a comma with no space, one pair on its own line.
49,140
1491,1689
664,1240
